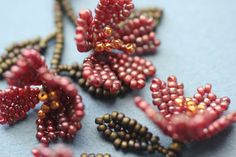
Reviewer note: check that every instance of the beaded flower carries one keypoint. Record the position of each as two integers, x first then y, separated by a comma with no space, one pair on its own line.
62,108
115,36
186,119
61,151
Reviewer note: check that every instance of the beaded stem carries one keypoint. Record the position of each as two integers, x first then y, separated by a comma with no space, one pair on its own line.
68,10
57,54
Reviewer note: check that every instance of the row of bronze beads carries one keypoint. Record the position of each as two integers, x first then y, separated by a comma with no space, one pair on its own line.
59,46
95,155
68,10
12,54
129,135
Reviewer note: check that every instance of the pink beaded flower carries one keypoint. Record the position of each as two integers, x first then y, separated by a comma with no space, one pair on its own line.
62,108
58,151
113,37
186,119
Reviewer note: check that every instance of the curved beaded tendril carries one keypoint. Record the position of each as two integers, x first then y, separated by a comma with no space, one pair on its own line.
129,135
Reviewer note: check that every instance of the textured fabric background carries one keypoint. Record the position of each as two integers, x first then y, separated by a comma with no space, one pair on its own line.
198,46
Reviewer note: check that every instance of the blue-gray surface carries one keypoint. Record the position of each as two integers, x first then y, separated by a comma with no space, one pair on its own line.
198,45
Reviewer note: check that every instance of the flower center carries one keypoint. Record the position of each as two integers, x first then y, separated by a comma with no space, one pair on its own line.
50,102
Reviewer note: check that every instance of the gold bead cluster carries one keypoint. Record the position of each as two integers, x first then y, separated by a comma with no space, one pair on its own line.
50,102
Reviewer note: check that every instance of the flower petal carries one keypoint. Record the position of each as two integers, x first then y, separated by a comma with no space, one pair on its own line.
16,102
133,71
99,74
25,71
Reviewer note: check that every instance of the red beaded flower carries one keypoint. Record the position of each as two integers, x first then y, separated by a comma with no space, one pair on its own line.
58,151
186,119
110,33
62,108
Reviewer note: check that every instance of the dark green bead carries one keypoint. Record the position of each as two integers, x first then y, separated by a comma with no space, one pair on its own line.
107,155
99,92
125,121
107,132
132,123
113,136
99,120
143,145
92,155
81,82
114,115
99,155
124,145
101,128
83,155
91,89
143,130
78,74
137,127
121,134
131,144
120,116
117,143
106,118
154,140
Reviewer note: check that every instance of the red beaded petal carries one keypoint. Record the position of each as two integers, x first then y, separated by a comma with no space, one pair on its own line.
117,69
62,123
99,74
16,102
139,31
132,71
186,119
25,71
111,13
58,151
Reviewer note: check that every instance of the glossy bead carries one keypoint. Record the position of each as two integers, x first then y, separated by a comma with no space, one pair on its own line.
43,96
54,105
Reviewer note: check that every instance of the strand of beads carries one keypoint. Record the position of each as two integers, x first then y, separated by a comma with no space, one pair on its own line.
57,54
68,10
95,155
129,135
